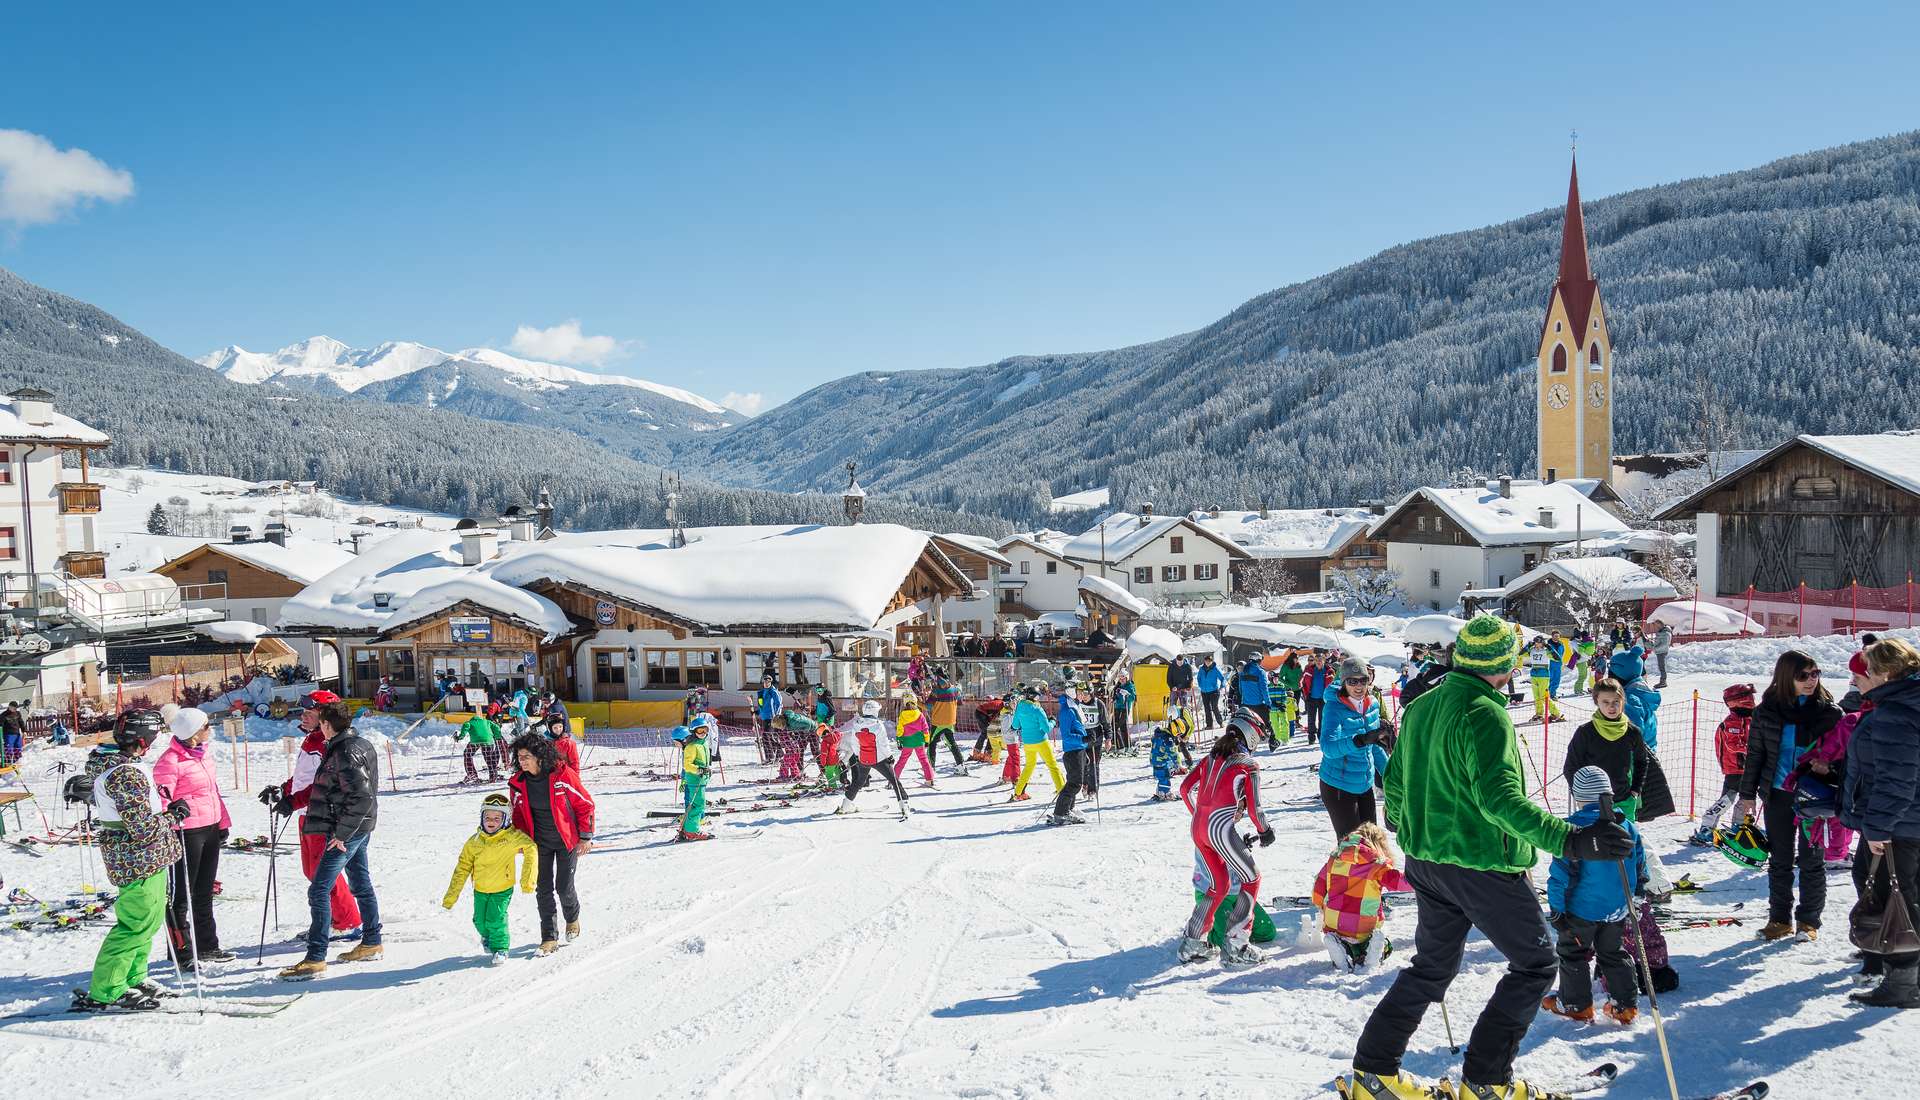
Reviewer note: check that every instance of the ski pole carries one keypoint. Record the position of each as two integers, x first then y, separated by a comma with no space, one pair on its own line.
271,897
1447,1022
193,941
1640,950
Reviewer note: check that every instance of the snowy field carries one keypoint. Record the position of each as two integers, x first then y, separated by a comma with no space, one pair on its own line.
966,953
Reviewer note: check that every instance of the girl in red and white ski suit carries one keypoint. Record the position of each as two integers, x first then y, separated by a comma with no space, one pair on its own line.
1225,785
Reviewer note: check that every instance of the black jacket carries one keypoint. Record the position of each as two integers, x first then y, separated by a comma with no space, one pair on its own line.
1811,721
1179,675
1627,761
344,802
1423,681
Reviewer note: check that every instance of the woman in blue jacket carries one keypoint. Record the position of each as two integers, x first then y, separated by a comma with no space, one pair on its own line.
1882,800
1313,689
1210,680
1352,761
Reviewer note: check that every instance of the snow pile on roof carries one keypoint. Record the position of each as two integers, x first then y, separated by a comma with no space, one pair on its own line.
303,560
1116,595
58,428
1287,532
1218,614
1125,533
1085,500
418,572
1698,616
792,576
1634,542
1890,456
1494,520
980,544
1608,579
1050,541
1151,641
232,632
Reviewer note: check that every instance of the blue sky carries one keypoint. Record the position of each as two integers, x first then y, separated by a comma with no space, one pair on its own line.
756,199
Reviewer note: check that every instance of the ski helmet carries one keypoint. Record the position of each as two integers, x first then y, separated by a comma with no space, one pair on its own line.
1243,725
1738,695
1815,798
1746,845
137,729
870,709
495,803
679,734
1179,725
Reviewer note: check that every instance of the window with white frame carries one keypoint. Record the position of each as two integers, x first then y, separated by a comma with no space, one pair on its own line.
1143,574
1206,572
1170,574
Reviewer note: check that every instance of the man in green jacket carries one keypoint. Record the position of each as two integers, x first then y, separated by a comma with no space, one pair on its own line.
481,736
1471,835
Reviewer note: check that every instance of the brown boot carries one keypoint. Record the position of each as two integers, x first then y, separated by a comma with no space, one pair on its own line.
304,971
1776,930
548,947
1808,932
364,952
573,930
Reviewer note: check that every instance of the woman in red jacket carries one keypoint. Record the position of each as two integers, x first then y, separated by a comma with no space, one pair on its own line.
552,806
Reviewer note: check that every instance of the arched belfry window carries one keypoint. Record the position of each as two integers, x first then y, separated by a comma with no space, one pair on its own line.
1559,359
1593,356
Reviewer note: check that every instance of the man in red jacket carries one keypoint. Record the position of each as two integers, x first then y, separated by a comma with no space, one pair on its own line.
293,795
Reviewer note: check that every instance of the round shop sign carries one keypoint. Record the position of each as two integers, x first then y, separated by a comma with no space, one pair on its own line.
603,612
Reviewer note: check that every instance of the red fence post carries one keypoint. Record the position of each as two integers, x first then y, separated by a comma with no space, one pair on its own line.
1803,607
1854,625
1909,601
1749,601
1693,782
1546,752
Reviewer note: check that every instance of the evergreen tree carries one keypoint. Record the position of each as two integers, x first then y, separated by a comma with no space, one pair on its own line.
157,522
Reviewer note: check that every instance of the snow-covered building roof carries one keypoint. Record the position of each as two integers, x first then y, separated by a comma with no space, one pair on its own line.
1216,614
1051,543
408,577
1613,580
1287,532
1493,519
50,426
301,560
1893,457
1115,595
1634,542
1123,534
979,544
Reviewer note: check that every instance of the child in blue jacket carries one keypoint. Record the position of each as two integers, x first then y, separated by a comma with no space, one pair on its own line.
1589,907
1165,757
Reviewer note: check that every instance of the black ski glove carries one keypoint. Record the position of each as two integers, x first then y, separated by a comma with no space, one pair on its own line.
1266,837
1366,738
1603,841
178,809
269,795
283,806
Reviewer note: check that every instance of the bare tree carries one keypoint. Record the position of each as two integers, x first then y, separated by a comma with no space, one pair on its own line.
1267,579
1366,590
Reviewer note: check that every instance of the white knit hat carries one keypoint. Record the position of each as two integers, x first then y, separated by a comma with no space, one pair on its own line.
1590,785
187,722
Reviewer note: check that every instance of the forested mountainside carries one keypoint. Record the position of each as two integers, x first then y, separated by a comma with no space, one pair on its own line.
166,411
1788,295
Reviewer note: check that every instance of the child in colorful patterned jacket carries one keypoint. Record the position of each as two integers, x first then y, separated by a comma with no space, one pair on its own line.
1350,892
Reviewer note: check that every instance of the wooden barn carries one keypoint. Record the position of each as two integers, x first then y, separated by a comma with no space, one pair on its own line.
1819,534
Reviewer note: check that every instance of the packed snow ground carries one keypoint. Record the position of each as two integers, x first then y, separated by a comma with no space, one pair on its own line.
967,952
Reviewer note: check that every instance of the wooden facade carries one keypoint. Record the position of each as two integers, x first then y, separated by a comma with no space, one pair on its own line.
244,580
1553,604
1801,516
1424,522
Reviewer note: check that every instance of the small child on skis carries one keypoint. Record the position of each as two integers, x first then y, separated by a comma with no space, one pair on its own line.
1349,893
695,765
1010,774
1589,907
830,766
1730,749
912,731
487,858
1163,755
788,737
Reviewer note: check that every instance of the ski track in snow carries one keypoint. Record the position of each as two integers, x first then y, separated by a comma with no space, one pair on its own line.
966,952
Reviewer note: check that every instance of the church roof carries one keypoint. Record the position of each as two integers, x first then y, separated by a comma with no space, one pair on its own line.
1575,283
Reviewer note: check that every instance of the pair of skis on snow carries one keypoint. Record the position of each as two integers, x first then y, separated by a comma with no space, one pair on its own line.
171,1004
1594,1080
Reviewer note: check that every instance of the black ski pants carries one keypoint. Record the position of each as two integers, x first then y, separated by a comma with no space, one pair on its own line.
933,746
1584,942
862,772
1122,731
1211,701
556,877
1791,850
1077,764
1347,811
1313,705
201,866
1452,902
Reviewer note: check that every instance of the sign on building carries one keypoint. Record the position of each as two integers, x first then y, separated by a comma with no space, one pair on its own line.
471,629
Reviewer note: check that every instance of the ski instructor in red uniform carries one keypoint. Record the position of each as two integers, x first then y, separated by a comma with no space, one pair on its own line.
293,794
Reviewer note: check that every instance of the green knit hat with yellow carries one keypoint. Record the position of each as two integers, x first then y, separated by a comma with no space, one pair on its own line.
1487,645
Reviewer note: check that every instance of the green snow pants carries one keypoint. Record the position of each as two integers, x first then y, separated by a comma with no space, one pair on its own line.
1263,931
137,915
696,789
490,918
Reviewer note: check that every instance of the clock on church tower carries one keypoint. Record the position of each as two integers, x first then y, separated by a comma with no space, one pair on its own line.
1574,417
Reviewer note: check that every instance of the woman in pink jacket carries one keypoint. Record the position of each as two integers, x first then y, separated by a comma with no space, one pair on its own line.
184,773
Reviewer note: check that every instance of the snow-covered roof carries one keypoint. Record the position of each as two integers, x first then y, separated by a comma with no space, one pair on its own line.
420,574
1611,579
1495,520
803,575
1636,542
1045,541
302,560
1115,595
1125,534
1287,532
981,545
1218,614
57,429
1152,641
232,631
1893,457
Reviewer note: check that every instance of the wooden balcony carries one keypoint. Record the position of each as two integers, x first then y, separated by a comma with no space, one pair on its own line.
84,563
79,498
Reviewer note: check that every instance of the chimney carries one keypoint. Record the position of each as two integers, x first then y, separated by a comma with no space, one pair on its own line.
1506,486
474,545
853,501
1546,518
1146,512
275,532
239,532
34,405
1553,475
1376,507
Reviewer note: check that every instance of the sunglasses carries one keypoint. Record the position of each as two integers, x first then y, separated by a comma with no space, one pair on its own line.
1810,674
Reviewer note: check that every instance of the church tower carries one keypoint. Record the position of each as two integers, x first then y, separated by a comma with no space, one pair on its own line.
1574,391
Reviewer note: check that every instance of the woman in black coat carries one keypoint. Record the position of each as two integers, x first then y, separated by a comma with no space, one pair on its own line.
1881,798
1794,713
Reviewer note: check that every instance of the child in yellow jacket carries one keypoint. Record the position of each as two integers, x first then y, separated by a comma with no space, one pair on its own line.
487,858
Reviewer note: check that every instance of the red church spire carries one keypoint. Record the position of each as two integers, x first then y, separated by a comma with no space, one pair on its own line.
1576,282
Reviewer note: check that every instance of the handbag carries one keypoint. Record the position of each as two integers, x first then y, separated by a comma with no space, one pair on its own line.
1889,931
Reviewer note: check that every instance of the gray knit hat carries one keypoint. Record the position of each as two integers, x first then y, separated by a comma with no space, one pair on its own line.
1353,668
1590,785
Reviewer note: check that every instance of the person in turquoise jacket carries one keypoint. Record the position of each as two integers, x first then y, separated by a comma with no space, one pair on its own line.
1033,726
1643,703
1352,760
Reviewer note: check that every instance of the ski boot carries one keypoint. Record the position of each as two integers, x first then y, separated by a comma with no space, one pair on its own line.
155,990
1371,1086
845,807
132,1000
1055,819
1337,953
1165,796
1701,838
304,971
1551,1003
497,958
1192,950
687,836
904,812
1512,1090
217,955
573,930
1236,955
1021,796
365,952
1623,1015
1074,817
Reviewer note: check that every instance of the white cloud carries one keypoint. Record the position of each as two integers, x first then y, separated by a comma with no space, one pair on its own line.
565,343
40,183
747,404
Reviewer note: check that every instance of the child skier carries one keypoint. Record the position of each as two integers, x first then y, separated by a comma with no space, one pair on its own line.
943,714
1614,745
1223,787
912,734
789,735
987,714
1003,739
1540,676
1348,891
1820,775
1589,907
871,747
695,764
830,766
1163,756
482,737
487,858
1033,726
1730,749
